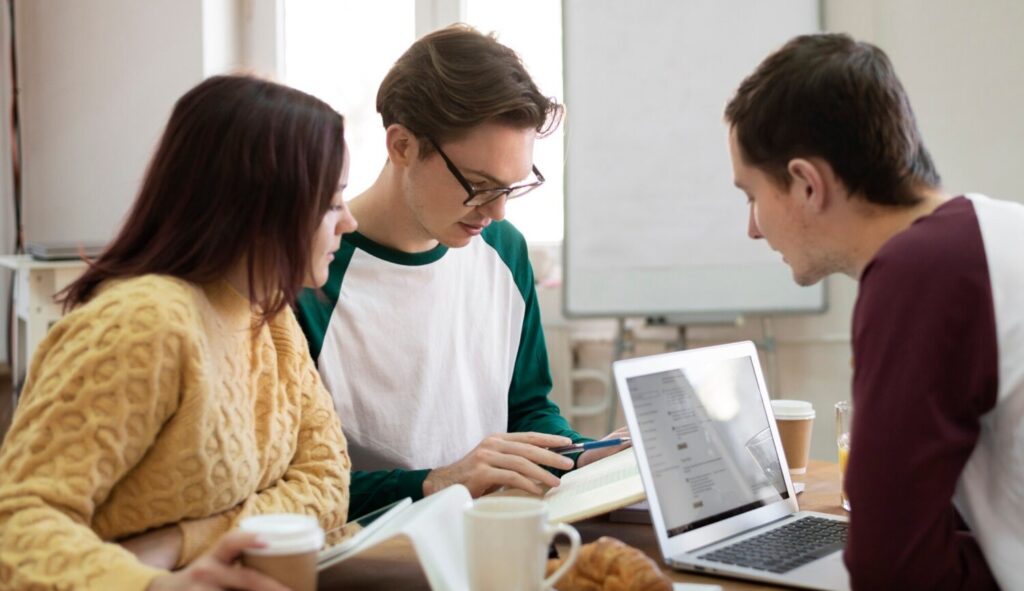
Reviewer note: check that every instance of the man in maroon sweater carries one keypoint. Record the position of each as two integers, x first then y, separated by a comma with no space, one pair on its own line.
825,146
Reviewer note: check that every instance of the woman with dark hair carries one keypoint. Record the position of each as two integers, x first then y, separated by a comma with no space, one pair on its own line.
178,395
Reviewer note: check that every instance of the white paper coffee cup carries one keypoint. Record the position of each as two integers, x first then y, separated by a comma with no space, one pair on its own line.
292,544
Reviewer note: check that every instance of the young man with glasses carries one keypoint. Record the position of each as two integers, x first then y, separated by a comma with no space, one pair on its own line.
428,331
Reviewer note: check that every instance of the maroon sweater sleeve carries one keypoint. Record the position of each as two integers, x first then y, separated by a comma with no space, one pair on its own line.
925,370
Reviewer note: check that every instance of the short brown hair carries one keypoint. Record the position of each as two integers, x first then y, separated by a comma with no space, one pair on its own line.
245,169
456,78
832,97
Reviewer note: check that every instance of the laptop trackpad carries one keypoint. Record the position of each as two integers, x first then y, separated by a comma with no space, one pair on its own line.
828,572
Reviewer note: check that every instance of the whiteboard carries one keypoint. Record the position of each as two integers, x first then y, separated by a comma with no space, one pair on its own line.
653,223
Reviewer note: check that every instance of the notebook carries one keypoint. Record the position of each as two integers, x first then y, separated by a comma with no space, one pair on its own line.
711,461
595,489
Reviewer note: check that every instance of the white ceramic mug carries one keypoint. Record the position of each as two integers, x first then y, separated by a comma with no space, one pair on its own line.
507,540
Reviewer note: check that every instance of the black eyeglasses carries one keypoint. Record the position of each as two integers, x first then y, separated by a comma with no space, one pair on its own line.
478,197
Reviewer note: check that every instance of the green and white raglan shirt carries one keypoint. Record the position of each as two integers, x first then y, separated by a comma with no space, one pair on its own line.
426,354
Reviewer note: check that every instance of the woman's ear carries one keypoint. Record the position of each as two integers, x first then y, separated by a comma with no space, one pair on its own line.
808,182
403,146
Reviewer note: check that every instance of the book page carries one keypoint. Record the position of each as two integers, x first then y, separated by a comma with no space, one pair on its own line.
595,489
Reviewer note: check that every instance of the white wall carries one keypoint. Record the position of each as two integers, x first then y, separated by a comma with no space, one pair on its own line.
962,64
98,82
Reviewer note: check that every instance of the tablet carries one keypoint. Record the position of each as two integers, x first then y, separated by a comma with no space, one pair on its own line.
358,530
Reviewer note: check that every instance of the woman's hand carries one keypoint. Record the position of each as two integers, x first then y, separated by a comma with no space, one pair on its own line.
217,570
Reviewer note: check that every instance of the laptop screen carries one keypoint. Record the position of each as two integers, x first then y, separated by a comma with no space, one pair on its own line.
707,440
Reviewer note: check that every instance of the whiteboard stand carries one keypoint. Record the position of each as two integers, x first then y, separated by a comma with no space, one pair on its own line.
624,344
620,347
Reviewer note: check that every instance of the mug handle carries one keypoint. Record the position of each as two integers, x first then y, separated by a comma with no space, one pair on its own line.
574,550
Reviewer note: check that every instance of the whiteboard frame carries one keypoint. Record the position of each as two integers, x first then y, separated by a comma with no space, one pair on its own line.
587,293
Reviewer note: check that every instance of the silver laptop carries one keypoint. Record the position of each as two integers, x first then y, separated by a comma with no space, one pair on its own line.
711,461
64,251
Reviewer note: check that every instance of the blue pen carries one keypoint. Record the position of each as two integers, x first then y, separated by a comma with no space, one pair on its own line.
577,447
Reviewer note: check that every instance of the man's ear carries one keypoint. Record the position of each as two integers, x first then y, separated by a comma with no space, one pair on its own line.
402,145
808,182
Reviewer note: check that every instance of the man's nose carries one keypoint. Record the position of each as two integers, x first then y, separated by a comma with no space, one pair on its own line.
752,230
495,209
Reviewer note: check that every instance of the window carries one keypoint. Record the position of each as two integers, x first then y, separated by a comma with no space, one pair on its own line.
533,28
340,52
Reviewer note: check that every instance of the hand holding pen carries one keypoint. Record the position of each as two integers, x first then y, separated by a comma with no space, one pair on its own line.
510,460
589,445
517,460
610,444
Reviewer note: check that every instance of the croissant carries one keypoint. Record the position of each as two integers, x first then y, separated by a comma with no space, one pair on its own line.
610,565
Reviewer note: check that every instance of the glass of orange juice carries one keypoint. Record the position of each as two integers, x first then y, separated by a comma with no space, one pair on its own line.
844,423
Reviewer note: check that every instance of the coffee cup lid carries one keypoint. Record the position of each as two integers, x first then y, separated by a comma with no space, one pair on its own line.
284,533
792,409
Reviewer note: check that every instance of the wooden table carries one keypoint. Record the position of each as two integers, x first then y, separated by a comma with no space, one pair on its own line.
394,566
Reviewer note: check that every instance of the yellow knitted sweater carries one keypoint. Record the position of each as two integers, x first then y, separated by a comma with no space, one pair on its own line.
155,404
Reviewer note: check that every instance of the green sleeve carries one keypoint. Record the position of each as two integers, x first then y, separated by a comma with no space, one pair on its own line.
529,408
373,490
314,307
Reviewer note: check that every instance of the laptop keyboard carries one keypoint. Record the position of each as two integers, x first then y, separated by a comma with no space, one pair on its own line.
785,548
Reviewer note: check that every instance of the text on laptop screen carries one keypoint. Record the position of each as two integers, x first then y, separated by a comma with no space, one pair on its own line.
707,441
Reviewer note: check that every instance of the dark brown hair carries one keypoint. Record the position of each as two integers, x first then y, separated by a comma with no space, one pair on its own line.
456,78
246,169
832,97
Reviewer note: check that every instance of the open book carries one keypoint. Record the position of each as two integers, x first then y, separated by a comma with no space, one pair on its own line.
426,526
595,489
432,526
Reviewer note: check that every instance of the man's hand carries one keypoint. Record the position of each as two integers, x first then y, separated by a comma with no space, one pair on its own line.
216,569
589,457
504,459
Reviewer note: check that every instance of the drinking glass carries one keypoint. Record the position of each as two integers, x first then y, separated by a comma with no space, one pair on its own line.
844,423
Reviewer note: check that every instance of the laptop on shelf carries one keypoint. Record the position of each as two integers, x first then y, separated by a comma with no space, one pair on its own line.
63,251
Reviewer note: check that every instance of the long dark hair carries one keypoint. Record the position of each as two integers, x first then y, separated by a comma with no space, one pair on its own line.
245,169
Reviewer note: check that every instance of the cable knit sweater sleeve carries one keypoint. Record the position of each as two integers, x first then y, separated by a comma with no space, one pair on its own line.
317,480
101,386
157,404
